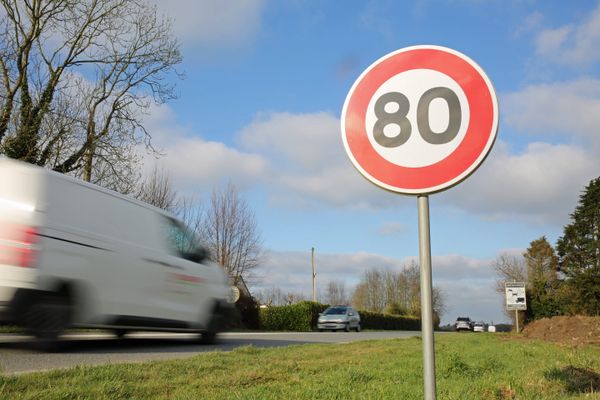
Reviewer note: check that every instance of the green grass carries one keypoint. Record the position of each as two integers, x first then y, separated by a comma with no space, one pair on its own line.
469,366
10,329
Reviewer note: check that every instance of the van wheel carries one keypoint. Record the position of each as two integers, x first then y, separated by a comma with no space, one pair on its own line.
209,336
357,328
120,333
47,318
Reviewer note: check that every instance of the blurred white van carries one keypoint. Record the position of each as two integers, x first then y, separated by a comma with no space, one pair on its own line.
74,254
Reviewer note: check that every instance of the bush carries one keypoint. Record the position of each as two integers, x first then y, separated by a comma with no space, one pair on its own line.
301,317
396,309
372,320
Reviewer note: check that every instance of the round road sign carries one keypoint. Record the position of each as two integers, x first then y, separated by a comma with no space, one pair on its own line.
420,120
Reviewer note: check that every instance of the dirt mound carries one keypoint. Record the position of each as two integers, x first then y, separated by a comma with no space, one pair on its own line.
577,330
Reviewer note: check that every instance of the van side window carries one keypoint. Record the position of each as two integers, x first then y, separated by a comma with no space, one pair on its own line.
179,240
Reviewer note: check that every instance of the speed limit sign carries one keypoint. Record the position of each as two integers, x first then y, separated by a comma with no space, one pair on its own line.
420,120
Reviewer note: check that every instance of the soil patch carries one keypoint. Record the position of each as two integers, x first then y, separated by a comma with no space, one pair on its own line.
575,331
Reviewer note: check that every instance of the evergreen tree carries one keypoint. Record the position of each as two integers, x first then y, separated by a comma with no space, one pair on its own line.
579,251
542,280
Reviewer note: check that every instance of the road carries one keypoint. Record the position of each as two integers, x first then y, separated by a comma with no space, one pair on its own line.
18,354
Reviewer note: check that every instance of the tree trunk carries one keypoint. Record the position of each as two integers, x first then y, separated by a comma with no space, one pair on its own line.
88,162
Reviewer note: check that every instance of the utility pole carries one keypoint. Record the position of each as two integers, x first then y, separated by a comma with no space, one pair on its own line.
313,274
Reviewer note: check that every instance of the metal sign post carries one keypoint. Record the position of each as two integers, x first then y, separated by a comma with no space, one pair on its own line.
426,298
516,299
399,139
314,292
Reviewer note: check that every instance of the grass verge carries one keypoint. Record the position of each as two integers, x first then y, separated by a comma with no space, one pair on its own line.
10,329
469,366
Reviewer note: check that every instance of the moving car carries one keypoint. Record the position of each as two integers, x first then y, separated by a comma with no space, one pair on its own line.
73,254
478,327
339,318
463,324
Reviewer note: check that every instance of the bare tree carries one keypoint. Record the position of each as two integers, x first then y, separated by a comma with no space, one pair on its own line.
276,297
381,290
336,293
229,228
157,190
94,66
509,269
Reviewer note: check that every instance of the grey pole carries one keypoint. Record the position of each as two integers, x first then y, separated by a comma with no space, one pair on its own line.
314,293
426,299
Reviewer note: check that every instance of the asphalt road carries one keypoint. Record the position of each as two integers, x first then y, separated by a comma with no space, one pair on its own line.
18,353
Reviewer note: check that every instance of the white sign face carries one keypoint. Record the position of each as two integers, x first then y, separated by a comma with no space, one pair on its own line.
416,151
515,296
420,120
234,294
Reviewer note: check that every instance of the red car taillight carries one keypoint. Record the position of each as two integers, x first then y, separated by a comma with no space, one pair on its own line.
17,245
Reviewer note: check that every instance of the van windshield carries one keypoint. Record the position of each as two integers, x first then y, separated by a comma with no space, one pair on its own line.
180,240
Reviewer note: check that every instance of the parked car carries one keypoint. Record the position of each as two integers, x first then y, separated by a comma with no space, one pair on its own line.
463,324
339,318
478,327
73,254
491,328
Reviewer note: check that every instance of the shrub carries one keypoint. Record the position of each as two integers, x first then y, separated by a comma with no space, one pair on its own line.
396,309
372,320
300,317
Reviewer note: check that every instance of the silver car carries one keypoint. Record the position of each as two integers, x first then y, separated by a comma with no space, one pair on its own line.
339,318
463,324
479,327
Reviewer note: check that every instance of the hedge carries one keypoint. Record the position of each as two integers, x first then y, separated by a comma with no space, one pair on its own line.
301,317
372,320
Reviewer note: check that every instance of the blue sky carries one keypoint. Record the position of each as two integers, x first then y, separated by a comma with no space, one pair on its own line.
265,82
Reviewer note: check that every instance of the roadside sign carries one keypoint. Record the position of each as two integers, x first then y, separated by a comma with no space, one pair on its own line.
515,296
420,120
234,294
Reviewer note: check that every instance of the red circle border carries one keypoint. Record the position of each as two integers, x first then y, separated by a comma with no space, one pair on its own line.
446,172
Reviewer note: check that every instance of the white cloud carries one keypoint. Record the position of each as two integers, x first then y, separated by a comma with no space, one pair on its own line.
308,141
538,184
309,161
573,45
549,41
194,162
567,108
212,23
291,271
541,184
467,283
531,23
391,229
300,161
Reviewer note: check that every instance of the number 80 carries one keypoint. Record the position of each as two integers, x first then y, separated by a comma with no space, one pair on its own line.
398,117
